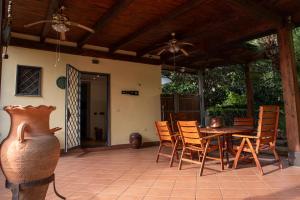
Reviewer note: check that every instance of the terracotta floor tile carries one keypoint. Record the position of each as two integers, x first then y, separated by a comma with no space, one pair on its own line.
234,193
155,198
130,197
134,174
159,192
183,193
208,193
136,191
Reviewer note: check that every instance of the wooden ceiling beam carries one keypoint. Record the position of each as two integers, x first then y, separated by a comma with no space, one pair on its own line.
257,11
109,15
83,52
52,8
155,24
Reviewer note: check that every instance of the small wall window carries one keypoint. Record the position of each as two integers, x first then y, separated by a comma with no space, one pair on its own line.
28,81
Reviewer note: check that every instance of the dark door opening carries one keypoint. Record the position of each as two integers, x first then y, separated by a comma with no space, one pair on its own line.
94,110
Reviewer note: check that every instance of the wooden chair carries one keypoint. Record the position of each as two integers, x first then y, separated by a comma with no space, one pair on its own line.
238,121
194,141
174,117
264,140
167,139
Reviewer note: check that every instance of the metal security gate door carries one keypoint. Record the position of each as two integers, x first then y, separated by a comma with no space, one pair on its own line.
72,127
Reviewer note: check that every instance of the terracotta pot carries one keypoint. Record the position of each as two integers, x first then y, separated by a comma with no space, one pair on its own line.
31,151
135,140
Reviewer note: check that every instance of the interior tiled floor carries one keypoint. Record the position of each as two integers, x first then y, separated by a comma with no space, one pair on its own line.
129,174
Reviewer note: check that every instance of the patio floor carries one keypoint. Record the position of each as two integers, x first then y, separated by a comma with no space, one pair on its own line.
133,174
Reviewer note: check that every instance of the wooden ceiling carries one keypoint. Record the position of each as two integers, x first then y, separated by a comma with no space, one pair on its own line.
140,26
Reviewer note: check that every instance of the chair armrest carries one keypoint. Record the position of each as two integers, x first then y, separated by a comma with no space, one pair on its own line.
211,136
245,136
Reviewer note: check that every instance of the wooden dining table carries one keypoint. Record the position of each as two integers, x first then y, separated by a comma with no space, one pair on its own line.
227,133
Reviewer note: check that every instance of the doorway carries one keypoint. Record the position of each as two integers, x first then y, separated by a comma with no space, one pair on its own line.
94,109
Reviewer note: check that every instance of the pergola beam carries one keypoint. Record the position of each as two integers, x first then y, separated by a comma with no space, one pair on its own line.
257,11
52,8
155,24
109,15
83,52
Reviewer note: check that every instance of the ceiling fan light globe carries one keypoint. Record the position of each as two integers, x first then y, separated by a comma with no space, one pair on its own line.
60,27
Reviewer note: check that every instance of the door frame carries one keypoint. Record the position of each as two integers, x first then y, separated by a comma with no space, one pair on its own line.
108,100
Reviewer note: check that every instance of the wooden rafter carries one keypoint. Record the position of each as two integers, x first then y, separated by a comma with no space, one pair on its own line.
257,11
83,52
110,14
53,7
155,24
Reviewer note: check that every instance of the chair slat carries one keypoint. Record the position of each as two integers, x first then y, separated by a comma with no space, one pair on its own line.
243,121
269,108
269,121
191,135
191,141
189,129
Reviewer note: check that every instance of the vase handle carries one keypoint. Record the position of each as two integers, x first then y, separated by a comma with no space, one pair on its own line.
20,131
53,130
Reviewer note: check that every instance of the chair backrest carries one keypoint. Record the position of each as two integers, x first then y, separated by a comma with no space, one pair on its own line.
267,125
174,117
189,132
164,132
238,121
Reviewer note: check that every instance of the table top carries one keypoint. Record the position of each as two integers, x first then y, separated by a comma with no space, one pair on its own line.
228,130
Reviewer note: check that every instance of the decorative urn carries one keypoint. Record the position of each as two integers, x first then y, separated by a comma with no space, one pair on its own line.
30,152
135,140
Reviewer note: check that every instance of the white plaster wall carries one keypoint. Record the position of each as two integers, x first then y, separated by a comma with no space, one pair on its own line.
128,113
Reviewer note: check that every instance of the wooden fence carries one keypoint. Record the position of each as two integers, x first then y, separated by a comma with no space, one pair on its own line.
187,104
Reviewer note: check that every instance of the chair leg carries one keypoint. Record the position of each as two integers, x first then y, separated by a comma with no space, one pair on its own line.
180,161
255,157
277,157
204,157
159,149
221,153
238,154
173,153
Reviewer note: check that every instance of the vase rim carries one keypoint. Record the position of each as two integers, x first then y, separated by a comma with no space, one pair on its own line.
28,107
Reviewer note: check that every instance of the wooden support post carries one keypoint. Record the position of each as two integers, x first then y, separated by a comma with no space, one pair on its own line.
290,92
201,96
249,91
2,12
176,103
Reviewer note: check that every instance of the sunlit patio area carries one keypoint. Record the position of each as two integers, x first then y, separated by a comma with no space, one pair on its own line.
128,174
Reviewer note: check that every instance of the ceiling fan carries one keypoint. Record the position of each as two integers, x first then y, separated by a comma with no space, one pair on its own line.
61,23
175,46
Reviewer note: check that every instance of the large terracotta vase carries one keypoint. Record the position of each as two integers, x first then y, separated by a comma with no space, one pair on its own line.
31,151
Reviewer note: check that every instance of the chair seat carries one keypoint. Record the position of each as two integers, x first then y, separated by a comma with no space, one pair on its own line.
199,148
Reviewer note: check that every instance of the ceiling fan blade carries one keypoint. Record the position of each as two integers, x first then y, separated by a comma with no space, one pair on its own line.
81,26
184,52
160,52
185,43
38,22
62,36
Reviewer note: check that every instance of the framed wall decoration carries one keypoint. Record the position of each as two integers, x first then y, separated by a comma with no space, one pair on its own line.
28,81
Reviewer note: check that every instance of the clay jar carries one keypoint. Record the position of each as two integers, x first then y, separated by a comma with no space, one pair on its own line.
135,139
31,151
